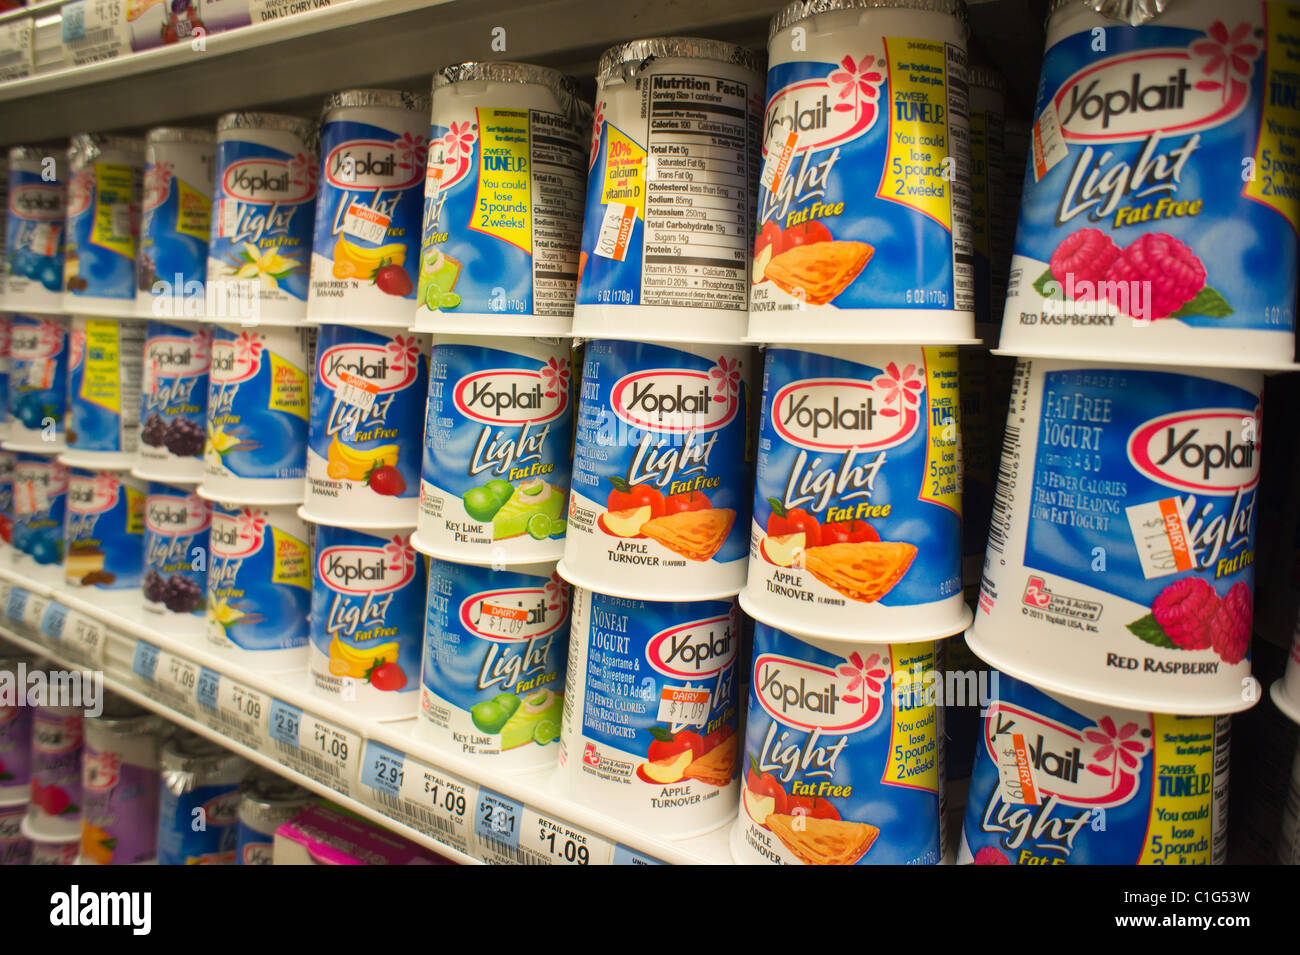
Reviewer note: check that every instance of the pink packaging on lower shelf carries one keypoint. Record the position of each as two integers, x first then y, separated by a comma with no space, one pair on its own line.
324,836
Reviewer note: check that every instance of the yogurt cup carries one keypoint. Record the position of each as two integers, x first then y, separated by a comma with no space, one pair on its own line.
989,240
4,368
7,460
367,618
15,848
1132,243
864,228
175,223
56,797
365,258
1059,781
650,712
662,470
38,390
50,848
103,530
266,801
1286,691
1120,566
258,409
174,402
259,585
366,431
495,650
104,192
514,135
844,753
104,378
259,251
670,211
498,442
176,557
15,742
198,776
40,502
857,503
120,785
34,230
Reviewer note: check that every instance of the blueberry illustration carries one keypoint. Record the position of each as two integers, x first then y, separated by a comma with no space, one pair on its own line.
45,551
49,275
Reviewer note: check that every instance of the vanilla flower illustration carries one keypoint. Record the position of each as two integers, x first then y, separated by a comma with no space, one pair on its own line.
267,264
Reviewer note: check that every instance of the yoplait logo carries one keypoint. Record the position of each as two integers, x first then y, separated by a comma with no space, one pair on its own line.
372,164
267,180
43,203
1201,450
693,650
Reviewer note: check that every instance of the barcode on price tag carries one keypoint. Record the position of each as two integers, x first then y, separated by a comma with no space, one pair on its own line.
685,706
1015,770
497,820
356,391
409,790
778,161
615,231
314,747
365,223
1163,540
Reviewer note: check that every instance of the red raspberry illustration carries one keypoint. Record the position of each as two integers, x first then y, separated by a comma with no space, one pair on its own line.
1185,610
1174,272
1230,630
990,856
54,800
1085,255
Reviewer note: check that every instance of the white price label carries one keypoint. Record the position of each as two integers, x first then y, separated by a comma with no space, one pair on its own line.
233,708
366,224
778,161
16,49
94,30
34,611
562,844
356,391
684,705
409,790
1015,770
315,747
615,231
1162,537
44,240
1046,143
40,373
176,674
83,638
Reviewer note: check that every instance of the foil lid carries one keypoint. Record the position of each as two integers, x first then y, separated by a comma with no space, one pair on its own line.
986,77
564,87
19,154
392,99
122,719
180,134
1133,12
632,57
803,9
189,760
265,790
305,129
84,148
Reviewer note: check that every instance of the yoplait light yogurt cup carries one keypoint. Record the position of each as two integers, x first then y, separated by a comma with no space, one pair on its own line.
857,501
495,652
1133,242
15,736
259,383
670,212
5,319
259,250
660,502
651,709
57,736
864,230
843,754
104,379
503,197
365,437
365,256
103,223
174,402
15,848
48,849
1120,564
7,460
497,450
367,620
40,500
120,786
38,390
1059,781
176,556
259,584
34,230
103,530
175,223
200,779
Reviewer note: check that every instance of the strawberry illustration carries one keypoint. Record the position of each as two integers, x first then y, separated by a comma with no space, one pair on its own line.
393,280
387,480
388,677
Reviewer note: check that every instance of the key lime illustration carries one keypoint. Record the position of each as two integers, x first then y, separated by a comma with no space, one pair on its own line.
481,504
559,527
499,489
448,300
545,731
539,527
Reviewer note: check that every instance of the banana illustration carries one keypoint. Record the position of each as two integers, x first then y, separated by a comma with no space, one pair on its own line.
350,661
352,464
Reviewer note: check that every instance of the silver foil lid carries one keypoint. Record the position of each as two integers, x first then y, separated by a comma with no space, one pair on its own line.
986,78
263,789
803,9
564,87
85,148
305,129
392,99
122,718
29,154
1133,12
635,53
189,759
179,134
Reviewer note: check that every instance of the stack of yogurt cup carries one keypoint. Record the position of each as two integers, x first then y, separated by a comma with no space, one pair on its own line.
369,381
15,766
862,297
496,289
1116,600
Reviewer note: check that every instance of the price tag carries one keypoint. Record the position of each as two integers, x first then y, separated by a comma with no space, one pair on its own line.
16,604
625,856
5,589
1163,540
314,747
16,49
684,705
559,843
778,161
209,686
1015,770
1047,145
509,833
83,639
144,663
176,679
497,820
55,619
412,792
239,711
94,30
34,612
615,231
356,391
366,224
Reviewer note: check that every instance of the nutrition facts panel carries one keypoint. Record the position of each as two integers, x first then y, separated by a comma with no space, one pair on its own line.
697,211
558,201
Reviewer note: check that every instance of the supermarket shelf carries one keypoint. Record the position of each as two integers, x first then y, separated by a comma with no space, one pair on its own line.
381,770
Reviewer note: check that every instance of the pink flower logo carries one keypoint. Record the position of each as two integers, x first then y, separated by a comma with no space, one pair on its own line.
867,677
202,346
248,347
413,151
726,378
250,524
460,141
303,169
405,350
555,374
106,484
899,387
400,553
557,594
1119,749
859,81
1228,57
597,124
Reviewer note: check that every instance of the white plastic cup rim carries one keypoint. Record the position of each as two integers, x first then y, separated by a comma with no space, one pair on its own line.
30,828
1287,704
862,635
183,479
272,321
11,797
347,524
862,341
460,557
40,447
97,460
676,597
255,500
1186,364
